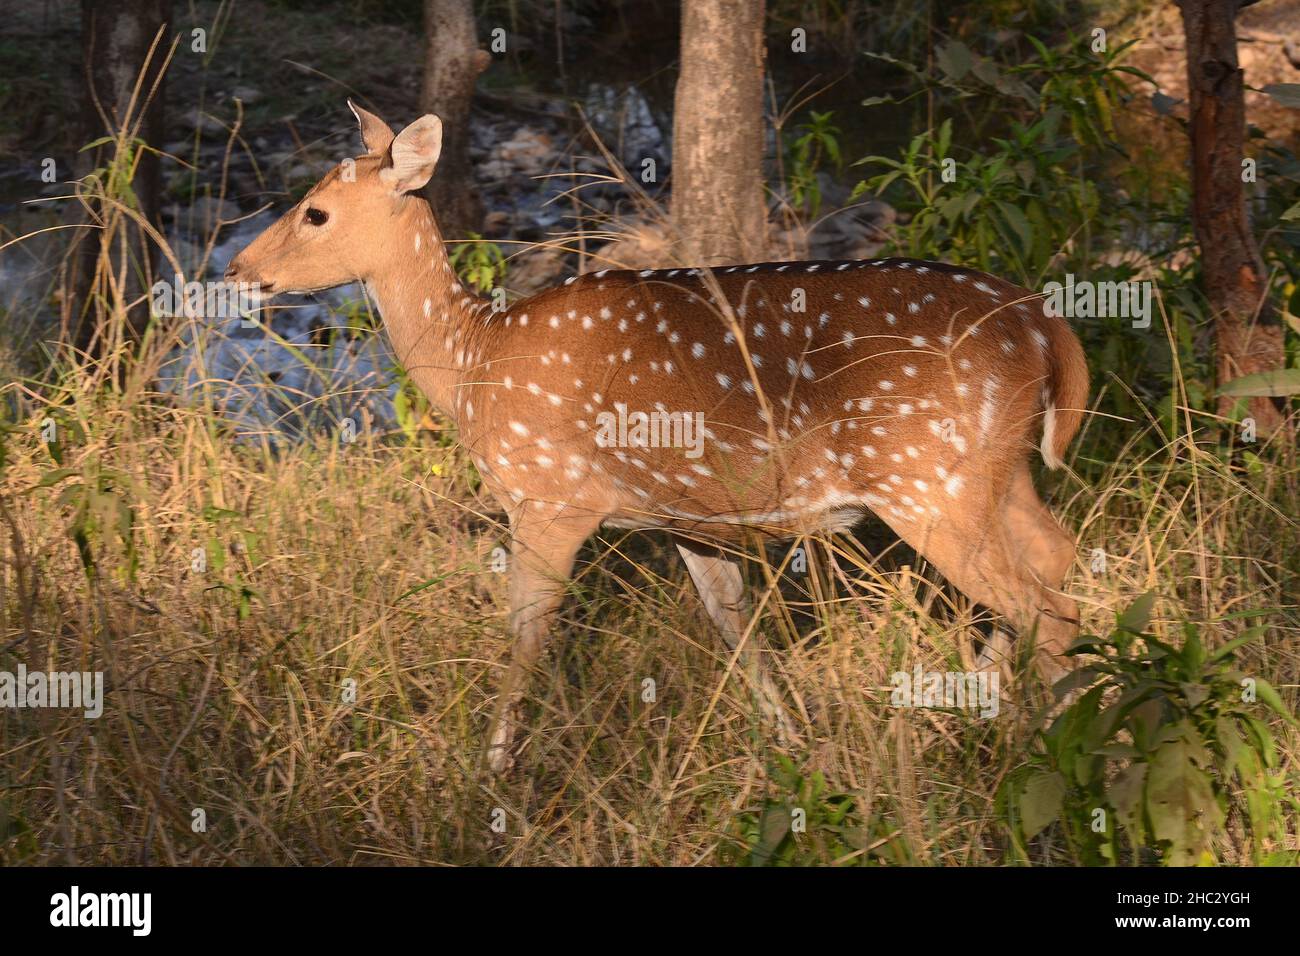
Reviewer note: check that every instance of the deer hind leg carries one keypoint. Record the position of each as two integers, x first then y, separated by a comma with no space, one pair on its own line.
721,587
988,570
544,545
975,552
1048,553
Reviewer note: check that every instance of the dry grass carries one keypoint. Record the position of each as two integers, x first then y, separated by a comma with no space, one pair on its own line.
371,562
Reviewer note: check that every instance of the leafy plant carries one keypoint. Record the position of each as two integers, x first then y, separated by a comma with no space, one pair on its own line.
99,502
410,407
1275,382
1050,191
1168,744
1085,84
811,824
1007,210
227,531
818,143
479,263
114,181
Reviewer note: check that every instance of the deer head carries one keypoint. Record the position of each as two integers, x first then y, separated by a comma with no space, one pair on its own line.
338,233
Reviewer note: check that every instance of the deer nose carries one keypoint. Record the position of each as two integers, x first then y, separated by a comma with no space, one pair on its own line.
232,270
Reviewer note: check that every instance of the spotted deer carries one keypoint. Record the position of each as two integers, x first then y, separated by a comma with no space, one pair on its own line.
821,392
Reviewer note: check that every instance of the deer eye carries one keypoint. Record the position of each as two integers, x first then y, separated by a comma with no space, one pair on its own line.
317,217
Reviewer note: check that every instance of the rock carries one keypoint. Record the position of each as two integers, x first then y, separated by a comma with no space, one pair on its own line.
276,158
853,231
536,269
794,244
626,126
188,255
493,170
640,245
539,209
206,125
202,214
496,224
530,151
243,186
247,94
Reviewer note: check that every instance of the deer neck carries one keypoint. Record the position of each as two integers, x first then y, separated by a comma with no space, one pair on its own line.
434,323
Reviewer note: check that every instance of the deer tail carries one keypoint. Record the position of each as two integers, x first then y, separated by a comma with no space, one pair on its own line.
1065,396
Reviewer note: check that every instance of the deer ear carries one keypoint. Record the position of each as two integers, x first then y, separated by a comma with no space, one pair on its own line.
413,155
376,135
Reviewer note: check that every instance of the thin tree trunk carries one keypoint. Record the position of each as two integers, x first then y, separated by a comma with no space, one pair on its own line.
452,63
1248,336
116,37
718,206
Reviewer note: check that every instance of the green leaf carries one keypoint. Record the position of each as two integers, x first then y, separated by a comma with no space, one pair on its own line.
945,137
987,71
1040,802
1180,803
1125,796
1163,104
1271,384
1159,650
54,477
95,143
954,59
1288,94
1264,744
1196,694
432,582
1075,680
1145,722
1019,224
1193,650
1138,614
1089,643
773,827
1246,637
216,554
1102,103
1269,695
1232,743
1116,751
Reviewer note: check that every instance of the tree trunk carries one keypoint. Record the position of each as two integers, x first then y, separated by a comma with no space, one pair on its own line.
1248,337
116,37
718,206
452,63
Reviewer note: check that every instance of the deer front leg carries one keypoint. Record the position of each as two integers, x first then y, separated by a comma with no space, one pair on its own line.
544,544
